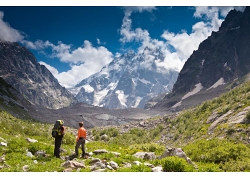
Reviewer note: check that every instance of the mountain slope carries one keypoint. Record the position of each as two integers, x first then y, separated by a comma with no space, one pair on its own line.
221,59
127,82
19,68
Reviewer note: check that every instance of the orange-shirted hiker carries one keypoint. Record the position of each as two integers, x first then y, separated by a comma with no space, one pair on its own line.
80,140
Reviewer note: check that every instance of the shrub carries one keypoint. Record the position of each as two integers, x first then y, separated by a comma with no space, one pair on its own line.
208,167
175,164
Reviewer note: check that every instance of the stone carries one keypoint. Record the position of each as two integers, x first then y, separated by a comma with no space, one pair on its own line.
35,162
212,117
2,159
145,155
68,170
104,137
29,154
100,151
25,168
89,154
137,163
109,167
127,165
218,120
31,140
98,165
3,144
157,169
73,164
95,160
116,154
240,117
114,165
149,165
40,153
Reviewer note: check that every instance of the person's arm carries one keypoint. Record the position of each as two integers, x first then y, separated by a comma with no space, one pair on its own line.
78,135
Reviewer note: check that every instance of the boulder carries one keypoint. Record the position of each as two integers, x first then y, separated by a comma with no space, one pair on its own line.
100,151
109,167
104,137
149,165
40,153
73,164
240,117
218,121
68,170
157,169
2,159
95,160
3,144
25,168
31,140
116,154
127,165
145,155
137,163
29,154
176,152
98,165
114,165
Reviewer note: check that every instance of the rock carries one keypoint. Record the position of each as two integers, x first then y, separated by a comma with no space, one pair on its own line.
176,152
29,154
142,124
109,167
137,163
212,117
240,117
68,170
2,159
100,151
145,155
89,154
73,164
116,154
127,165
98,165
35,162
114,165
31,140
104,137
218,120
95,160
3,144
149,165
25,168
40,153
157,169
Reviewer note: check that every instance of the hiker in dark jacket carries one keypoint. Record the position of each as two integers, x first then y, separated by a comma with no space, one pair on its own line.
58,133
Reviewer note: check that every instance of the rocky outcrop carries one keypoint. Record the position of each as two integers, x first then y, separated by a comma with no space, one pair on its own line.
145,155
19,68
220,59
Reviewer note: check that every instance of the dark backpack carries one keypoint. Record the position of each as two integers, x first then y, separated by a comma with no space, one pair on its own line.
57,128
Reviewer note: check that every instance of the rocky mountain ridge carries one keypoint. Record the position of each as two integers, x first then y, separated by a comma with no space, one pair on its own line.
20,69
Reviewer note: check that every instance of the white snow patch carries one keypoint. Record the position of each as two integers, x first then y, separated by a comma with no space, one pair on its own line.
99,96
177,104
137,102
122,97
145,81
88,88
197,88
218,83
225,65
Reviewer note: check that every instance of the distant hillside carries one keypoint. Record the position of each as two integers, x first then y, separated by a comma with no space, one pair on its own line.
222,58
19,68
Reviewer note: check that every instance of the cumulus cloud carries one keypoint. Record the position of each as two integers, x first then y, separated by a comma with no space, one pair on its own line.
84,61
7,33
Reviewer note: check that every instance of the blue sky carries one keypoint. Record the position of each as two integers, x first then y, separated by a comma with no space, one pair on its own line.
75,42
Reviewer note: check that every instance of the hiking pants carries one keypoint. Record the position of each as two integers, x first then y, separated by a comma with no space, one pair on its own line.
58,142
80,142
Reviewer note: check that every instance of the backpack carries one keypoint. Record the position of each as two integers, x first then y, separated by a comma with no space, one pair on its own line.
57,128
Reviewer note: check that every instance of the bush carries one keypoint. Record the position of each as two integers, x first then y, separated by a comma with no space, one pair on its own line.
208,167
216,151
175,164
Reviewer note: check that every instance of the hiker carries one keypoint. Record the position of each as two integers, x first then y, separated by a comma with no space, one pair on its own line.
80,140
58,133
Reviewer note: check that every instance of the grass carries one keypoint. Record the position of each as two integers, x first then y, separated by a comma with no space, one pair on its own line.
188,130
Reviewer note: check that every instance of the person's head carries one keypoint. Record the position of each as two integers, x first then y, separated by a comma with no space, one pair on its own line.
80,124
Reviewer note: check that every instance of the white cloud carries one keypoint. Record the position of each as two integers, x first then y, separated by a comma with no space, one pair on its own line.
84,61
7,33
